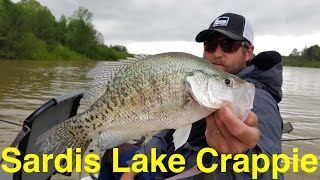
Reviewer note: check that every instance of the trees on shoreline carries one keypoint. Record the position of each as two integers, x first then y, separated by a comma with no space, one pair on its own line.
308,57
28,30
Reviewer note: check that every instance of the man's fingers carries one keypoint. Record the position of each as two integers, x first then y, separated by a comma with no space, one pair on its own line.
235,145
234,124
128,175
244,133
231,143
253,140
214,136
211,122
224,131
251,120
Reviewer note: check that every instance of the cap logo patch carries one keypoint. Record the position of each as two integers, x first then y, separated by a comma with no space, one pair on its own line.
221,21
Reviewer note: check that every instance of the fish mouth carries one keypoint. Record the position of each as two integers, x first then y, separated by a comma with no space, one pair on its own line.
243,98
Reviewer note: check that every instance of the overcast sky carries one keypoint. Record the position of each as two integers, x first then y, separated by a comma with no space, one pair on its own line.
155,26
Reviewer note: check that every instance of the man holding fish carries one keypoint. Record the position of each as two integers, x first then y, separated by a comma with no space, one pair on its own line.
175,91
228,44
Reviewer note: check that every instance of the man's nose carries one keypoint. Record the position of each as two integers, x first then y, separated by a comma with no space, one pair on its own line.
217,53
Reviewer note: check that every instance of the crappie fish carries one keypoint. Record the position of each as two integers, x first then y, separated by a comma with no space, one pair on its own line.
163,91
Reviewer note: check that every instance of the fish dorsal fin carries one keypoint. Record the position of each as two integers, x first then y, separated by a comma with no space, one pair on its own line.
103,73
181,135
137,57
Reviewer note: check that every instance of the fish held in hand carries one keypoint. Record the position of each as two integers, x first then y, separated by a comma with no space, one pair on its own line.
163,91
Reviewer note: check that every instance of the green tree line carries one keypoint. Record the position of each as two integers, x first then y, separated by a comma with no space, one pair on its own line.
28,30
307,57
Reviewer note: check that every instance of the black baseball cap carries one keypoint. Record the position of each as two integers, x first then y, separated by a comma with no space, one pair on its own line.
232,25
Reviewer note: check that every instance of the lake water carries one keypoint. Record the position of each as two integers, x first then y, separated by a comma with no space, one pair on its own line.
301,106
25,85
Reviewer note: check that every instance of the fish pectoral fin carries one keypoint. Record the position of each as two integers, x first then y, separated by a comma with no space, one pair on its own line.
173,107
181,135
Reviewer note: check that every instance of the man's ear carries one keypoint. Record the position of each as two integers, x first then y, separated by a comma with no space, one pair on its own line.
249,53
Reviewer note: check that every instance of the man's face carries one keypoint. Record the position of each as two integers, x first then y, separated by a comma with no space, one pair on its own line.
228,55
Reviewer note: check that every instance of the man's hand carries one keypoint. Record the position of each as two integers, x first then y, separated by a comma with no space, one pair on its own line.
128,175
227,134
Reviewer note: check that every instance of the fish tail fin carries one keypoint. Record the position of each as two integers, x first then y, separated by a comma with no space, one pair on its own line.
62,136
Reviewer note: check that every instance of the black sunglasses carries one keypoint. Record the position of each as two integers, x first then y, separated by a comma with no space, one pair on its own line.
227,45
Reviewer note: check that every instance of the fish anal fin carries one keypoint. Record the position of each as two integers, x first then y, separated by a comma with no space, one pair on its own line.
181,135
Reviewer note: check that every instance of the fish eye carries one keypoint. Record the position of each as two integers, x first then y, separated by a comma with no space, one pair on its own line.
228,82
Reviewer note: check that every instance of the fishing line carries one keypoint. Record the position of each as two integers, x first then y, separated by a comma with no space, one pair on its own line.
10,122
301,139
